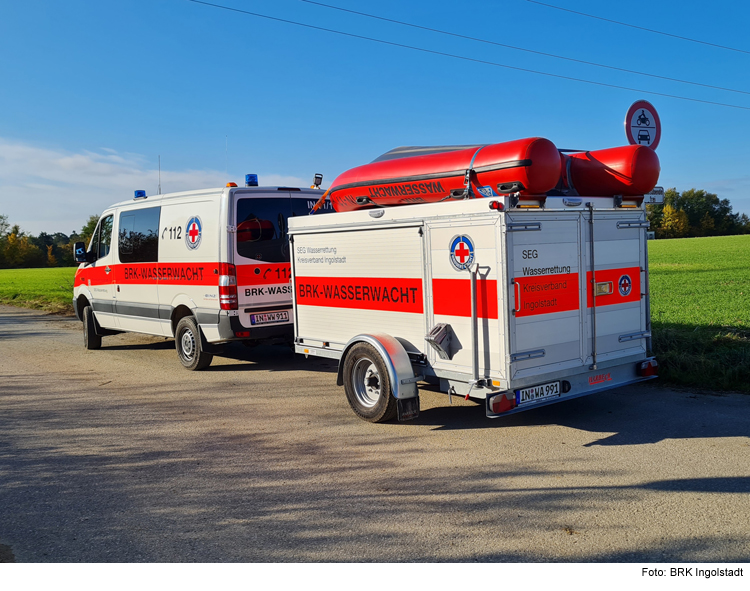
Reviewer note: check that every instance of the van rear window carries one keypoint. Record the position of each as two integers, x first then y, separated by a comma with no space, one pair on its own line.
262,227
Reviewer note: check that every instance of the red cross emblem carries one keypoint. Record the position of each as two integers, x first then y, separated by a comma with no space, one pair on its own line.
193,231
625,284
462,252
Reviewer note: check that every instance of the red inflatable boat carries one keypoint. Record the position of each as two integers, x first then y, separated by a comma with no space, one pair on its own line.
529,167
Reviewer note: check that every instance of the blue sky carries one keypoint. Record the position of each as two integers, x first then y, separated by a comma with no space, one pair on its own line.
91,92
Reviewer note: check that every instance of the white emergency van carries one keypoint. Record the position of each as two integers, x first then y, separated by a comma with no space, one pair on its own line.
205,267
513,304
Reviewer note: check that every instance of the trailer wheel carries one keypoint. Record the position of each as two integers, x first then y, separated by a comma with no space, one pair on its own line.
367,386
187,340
91,340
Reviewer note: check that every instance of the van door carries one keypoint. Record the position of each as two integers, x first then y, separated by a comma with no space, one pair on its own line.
100,275
546,287
261,257
138,251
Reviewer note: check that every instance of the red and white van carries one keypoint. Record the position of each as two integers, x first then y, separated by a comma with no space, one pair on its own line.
205,267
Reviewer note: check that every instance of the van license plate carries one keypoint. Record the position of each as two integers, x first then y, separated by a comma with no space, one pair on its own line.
269,317
536,393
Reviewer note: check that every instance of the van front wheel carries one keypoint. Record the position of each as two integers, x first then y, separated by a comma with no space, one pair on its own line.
187,340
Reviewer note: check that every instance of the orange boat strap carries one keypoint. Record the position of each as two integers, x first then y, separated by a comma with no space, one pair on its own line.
320,202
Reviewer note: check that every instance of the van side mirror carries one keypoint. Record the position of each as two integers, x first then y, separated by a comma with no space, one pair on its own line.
80,255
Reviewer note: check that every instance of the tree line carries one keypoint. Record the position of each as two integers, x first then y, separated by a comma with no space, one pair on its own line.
19,250
694,213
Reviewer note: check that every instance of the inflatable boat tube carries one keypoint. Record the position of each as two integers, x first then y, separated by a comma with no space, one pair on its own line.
528,167
627,170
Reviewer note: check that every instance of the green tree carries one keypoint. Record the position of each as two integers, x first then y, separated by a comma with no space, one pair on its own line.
707,225
88,229
20,252
674,223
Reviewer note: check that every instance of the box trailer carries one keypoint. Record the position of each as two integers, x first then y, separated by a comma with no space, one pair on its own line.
515,304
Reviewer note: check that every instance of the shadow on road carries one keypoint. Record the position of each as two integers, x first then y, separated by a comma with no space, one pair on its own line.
633,415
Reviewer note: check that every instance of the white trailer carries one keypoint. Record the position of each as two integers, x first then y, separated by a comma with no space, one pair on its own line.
517,305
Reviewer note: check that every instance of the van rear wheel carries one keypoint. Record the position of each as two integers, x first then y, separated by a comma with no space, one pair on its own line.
367,385
91,340
187,340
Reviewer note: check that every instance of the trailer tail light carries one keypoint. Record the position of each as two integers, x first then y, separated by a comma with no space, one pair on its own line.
496,205
228,287
648,368
502,402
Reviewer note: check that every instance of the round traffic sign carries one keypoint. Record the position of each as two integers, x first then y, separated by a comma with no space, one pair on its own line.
642,125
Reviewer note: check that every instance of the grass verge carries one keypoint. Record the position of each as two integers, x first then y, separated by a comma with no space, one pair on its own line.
50,290
700,308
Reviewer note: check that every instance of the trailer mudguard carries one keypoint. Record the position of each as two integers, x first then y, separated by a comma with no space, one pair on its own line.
400,372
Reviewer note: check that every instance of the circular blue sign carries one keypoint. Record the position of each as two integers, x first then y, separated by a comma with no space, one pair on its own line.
193,232
461,252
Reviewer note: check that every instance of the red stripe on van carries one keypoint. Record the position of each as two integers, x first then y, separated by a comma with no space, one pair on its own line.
452,297
150,274
384,294
263,273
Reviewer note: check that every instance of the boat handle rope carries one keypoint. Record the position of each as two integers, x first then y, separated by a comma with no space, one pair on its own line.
468,194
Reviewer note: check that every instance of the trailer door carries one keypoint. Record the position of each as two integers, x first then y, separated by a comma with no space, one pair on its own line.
545,293
615,271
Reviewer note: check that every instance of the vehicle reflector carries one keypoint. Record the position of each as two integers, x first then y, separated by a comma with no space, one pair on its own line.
503,402
242,334
228,287
648,368
604,288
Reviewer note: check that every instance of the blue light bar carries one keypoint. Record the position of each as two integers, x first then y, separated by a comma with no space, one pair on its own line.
251,180
140,194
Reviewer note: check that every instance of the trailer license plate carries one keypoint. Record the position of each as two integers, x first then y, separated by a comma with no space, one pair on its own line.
269,317
535,393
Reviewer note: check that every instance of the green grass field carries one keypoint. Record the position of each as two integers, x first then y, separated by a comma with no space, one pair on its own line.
700,307
40,289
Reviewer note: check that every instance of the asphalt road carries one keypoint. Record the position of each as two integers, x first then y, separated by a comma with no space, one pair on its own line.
121,455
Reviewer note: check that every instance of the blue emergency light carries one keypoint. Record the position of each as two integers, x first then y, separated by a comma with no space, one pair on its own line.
140,194
251,180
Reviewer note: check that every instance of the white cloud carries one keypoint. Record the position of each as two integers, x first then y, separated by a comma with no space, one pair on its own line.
50,190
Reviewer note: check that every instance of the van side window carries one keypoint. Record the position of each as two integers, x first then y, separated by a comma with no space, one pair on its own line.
94,242
261,229
105,236
139,236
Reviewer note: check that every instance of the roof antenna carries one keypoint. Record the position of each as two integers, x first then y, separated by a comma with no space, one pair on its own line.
158,192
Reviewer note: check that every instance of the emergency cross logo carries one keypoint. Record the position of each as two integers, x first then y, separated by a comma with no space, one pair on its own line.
193,232
625,285
462,252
